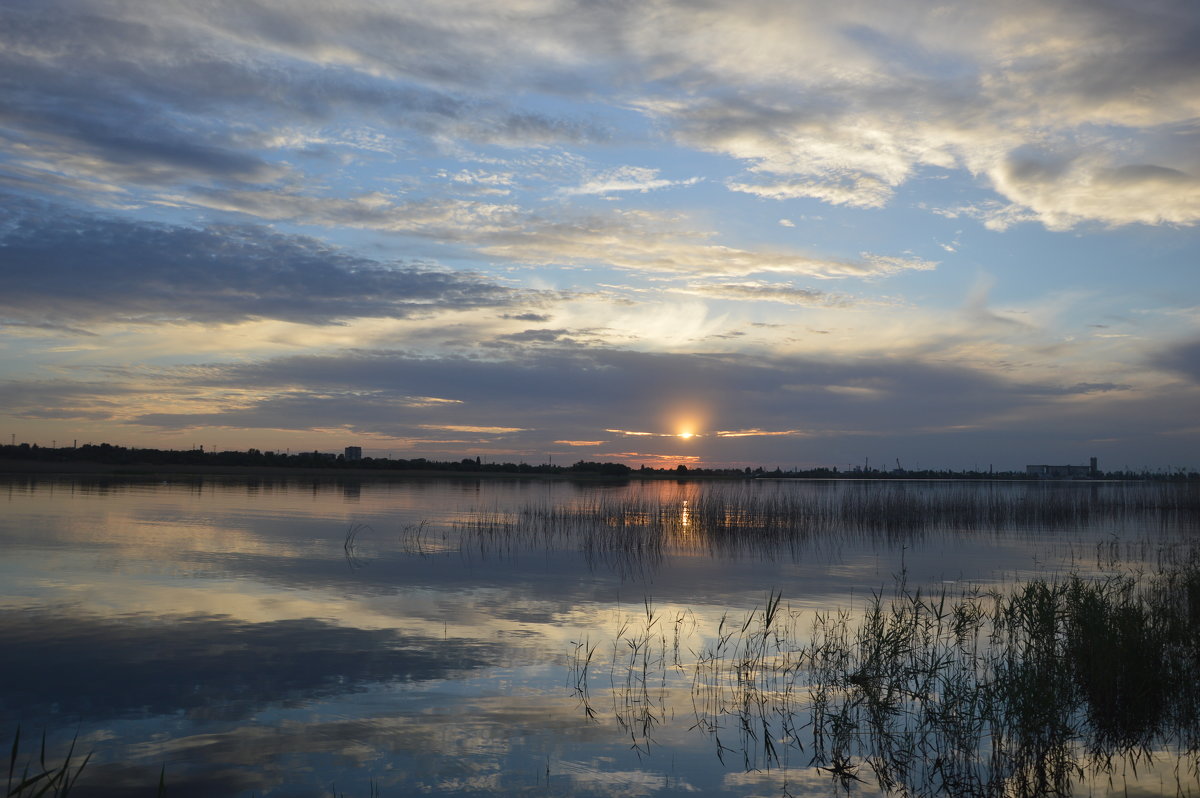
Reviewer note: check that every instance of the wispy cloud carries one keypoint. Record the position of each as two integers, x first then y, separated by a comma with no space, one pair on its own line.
626,178
632,239
758,291
649,242
471,428
761,433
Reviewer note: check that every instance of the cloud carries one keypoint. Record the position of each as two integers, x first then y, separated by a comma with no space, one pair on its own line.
1082,189
977,313
1181,358
440,218
48,326
765,292
857,192
466,129
760,433
745,408
109,92
841,104
1097,387
538,317
649,242
65,399
638,240
847,104
537,336
482,182
626,178
544,391
84,268
469,428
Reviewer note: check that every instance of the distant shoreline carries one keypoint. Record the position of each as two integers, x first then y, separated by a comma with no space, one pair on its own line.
9,468
75,468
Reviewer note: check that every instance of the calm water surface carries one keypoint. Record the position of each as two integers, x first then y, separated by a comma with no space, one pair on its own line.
312,638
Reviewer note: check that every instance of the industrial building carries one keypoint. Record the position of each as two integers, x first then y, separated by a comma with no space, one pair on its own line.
1063,471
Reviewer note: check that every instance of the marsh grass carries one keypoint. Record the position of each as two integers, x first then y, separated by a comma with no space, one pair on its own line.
632,535
37,778
1022,693
416,539
350,545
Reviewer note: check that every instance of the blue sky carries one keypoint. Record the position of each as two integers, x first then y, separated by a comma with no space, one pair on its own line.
804,233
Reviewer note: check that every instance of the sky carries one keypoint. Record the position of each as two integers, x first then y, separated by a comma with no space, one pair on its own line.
764,232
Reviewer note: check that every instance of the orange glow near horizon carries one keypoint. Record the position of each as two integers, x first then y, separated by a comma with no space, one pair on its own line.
688,419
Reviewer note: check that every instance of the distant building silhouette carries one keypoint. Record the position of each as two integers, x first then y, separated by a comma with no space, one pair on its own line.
1063,471
353,452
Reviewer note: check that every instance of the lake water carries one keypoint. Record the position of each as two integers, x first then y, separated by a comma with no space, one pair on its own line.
300,637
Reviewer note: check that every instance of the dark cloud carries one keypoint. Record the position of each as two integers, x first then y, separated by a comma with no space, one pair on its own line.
536,336
779,409
768,292
942,414
77,93
1157,48
73,268
538,317
557,388
119,95
1182,358
1098,387
63,399
48,326
1148,173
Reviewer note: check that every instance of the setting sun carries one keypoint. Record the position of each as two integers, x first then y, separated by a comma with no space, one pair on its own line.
687,435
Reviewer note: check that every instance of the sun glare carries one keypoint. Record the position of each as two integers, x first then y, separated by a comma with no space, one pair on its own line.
685,419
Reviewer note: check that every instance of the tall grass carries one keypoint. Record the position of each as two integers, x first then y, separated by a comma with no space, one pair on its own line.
633,534
1022,693
350,545
35,778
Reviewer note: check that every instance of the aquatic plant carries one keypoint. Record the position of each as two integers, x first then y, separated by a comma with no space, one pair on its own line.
52,781
632,535
350,545
42,779
981,693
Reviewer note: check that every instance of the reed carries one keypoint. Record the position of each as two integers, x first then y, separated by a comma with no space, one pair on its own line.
350,545
633,535
35,779
1020,693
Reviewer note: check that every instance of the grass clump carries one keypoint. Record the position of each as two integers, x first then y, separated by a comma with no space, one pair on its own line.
37,778
1013,694
1021,693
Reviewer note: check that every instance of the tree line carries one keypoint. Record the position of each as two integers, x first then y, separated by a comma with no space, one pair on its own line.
109,454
